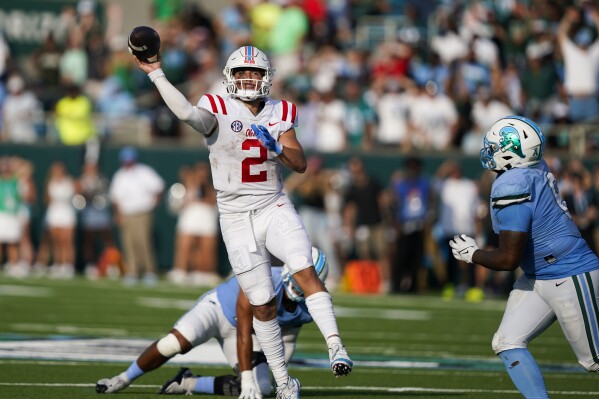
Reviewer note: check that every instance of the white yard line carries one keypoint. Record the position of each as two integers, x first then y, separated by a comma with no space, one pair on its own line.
325,388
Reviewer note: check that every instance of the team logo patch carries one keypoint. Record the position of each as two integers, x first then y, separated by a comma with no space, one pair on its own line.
510,140
236,126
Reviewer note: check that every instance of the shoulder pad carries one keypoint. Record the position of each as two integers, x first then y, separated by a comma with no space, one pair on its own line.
213,103
289,112
506,192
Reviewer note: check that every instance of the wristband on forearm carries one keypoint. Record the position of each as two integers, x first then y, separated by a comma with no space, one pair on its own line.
156,74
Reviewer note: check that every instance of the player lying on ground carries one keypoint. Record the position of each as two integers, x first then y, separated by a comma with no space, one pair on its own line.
224,313
536,232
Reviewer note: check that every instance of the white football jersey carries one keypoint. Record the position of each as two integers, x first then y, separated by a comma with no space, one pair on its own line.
246,175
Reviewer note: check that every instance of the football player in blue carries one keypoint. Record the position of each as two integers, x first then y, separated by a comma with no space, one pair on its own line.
536,232
224,313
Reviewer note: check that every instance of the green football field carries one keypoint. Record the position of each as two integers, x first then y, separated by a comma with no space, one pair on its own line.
57,338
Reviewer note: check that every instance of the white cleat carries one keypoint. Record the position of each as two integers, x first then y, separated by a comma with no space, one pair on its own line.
182,383
341,364
290,390
111,385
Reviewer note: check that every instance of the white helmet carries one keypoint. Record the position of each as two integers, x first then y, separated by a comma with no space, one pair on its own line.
512,142
248,57
294,292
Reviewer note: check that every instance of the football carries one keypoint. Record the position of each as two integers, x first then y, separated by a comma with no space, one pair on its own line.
144,43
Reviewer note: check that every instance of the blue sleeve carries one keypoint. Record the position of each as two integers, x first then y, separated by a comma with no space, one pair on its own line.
517,217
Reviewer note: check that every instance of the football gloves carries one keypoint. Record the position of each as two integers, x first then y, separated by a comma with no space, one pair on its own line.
267,140
249,389
463,247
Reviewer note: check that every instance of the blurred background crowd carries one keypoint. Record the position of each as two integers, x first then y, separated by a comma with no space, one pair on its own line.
399,77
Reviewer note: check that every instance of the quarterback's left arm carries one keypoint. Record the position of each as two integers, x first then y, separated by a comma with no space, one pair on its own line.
293,153
287,149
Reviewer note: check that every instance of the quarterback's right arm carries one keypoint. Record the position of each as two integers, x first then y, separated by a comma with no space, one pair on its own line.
198,118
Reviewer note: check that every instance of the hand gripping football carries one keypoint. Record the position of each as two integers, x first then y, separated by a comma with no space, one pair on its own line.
144,43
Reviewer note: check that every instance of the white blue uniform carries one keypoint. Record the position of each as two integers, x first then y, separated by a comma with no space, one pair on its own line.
527,200
227,295
213,316
561,273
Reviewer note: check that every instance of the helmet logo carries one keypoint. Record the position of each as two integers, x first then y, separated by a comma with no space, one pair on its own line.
249,55
510,141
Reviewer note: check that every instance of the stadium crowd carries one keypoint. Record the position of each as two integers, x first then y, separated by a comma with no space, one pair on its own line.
447,72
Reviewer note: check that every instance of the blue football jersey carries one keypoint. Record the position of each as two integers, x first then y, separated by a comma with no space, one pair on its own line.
227,295
528,200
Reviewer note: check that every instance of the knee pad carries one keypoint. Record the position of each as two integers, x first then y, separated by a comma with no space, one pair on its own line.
499,344
259,297
168,346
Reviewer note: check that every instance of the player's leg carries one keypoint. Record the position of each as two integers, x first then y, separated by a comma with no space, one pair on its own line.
574,301
526,316
154,356
195,327
288,240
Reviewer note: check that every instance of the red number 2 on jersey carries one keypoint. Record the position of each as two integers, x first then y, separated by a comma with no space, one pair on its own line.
246,175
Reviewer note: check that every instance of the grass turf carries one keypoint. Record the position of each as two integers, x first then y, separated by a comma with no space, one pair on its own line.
403,346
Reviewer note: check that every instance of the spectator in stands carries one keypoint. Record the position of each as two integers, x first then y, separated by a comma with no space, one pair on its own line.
540,84
134,192
458,203
392,108
196,242
311,192
582,202
12,229
433,118
46,61
286,39
263,17
233,28
98,52
413,208
581,63
96,223
74,62
74,117
115,104
486,110
22,112
61,220
331,131
363,218
27,189
360,117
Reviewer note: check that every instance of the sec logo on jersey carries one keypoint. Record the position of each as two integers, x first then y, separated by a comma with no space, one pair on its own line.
236,126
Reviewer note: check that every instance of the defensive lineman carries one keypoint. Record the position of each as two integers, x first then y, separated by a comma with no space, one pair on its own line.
249,136
536,232
224,313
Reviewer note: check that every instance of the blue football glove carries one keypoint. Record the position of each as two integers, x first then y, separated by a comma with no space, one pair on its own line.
267,140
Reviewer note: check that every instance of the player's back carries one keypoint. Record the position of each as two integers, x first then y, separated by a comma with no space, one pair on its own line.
246,175
555,248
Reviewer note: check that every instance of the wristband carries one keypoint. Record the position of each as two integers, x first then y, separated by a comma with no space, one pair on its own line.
247,375
156,74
